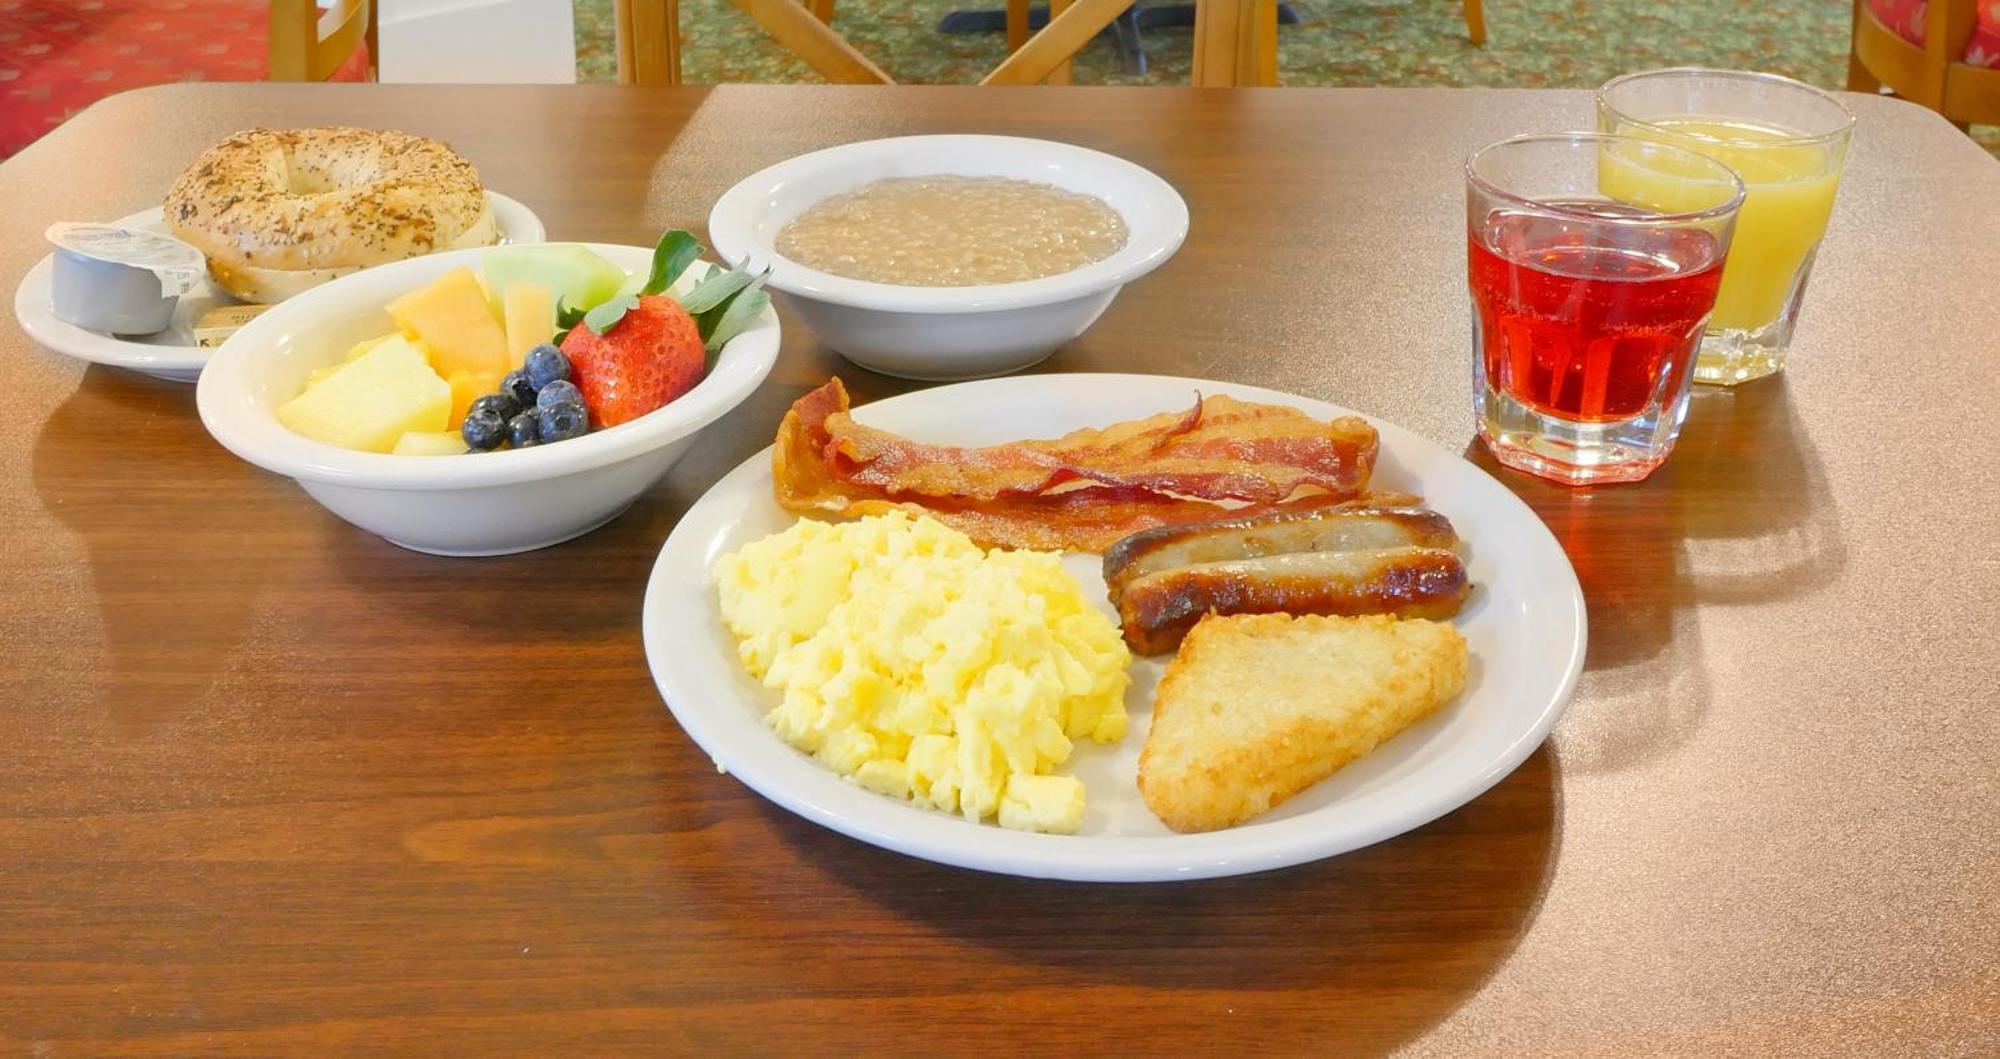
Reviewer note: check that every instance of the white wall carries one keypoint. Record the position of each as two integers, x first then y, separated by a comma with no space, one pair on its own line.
477,41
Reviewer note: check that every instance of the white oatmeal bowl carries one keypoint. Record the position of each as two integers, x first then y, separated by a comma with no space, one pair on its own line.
971,328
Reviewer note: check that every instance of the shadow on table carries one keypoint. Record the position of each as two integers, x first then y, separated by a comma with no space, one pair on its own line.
1741,514
124,464
457,602
1366,931
592,172
565,583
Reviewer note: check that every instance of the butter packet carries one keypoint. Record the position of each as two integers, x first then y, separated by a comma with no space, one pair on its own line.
216,325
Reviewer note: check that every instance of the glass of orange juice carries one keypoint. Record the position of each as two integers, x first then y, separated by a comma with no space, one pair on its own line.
1788,142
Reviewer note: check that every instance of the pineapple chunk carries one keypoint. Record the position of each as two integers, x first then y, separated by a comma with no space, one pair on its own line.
370,403
453,318
531,320
429,443
361,348
467,387
356,352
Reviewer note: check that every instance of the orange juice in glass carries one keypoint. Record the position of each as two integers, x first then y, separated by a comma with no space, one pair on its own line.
1788,142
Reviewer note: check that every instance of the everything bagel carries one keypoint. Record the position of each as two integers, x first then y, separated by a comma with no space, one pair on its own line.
278,211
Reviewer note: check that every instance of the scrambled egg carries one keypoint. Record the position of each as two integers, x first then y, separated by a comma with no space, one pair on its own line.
927,669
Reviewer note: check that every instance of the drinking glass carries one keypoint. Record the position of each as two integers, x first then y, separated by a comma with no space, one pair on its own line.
1788,142
1588,308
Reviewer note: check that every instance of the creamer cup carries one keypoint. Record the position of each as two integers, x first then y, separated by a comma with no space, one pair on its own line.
120,281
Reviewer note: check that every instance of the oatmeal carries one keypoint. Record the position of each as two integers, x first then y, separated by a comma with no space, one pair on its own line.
953,231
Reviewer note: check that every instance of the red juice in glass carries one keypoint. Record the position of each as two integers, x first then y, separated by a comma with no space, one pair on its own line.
1587,309
1585,323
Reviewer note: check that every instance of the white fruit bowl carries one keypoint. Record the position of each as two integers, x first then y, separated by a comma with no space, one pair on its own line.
489,503
937,333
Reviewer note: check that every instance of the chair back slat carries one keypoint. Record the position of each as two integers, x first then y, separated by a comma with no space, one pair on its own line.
1932,74
307,44
649,42
1236,41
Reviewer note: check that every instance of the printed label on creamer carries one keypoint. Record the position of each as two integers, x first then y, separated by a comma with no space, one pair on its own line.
180,267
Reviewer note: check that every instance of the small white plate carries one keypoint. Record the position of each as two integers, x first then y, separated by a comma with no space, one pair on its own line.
1525,626
172,354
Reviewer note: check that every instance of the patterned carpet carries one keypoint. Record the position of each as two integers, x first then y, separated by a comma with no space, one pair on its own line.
1530,43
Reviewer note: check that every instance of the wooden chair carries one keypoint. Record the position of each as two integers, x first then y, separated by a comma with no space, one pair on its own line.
1045,56
649,39
1236,41
1016,9
1930,74
307,44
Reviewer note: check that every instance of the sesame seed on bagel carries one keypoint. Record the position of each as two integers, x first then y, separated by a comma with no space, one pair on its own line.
278,211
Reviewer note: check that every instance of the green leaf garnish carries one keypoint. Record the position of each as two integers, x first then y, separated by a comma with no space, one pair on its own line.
677,250
673,254
566,321
722,303
734,313
606,316
714,290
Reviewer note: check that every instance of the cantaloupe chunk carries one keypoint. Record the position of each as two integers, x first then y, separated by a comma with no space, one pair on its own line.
429,443
371,402
531,320
467,387
453,318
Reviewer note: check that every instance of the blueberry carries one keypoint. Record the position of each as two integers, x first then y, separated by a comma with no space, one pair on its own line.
546,364
517,386
561,391
562,422
502,403
525,429
483,428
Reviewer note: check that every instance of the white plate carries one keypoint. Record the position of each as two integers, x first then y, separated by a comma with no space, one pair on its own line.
1524,624
172,354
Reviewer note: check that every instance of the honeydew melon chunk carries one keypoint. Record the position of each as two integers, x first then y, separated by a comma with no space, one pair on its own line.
371,402
530,312
574,274
632,285
429,443
453,318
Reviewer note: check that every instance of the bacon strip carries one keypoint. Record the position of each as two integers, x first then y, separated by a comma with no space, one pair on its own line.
1084,490
1220,449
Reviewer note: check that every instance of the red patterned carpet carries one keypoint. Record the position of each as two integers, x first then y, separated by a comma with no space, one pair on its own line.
59,56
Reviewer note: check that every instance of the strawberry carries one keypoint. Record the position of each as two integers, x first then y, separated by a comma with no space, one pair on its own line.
651,356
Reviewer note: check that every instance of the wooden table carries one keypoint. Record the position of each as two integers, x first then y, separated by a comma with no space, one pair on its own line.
270,785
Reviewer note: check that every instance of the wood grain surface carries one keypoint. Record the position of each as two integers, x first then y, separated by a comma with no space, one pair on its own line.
269,785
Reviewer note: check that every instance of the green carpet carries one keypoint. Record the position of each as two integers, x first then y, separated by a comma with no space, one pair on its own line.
1530,43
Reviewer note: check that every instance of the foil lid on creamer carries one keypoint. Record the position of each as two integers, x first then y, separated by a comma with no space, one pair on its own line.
178,266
